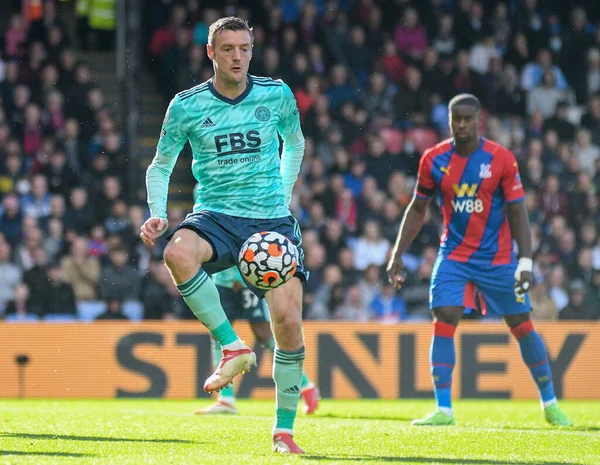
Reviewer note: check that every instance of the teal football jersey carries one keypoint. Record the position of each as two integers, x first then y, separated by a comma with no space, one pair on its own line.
235,145
228,277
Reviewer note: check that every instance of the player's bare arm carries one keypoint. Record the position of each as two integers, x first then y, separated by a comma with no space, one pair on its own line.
521,231
413,220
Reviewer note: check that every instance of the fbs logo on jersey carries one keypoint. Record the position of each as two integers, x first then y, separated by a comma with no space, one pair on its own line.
238,143
208,123
485,171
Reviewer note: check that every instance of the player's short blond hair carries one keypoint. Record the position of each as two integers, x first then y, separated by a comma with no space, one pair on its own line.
229,23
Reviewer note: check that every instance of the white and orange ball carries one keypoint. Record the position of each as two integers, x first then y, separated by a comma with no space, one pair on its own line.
268,259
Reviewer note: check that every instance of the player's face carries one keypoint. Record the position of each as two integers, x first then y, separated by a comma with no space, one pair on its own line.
464,121
231,55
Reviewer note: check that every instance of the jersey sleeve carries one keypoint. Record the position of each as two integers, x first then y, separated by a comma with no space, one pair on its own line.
425,186
174,131
512,186
289,123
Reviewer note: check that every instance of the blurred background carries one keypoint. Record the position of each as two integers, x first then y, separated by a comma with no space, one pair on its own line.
84,85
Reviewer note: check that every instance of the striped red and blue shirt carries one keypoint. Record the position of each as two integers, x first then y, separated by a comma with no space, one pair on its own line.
473,192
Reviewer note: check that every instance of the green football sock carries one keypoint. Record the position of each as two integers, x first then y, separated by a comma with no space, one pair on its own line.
287,373
201,295
305,381
217,352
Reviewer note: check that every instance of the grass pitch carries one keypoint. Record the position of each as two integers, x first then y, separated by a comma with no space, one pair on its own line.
161,432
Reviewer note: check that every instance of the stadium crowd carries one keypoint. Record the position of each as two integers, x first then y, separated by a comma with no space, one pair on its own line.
372,80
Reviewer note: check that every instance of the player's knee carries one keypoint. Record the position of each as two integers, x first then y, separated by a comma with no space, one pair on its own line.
289,322
515,320
178,257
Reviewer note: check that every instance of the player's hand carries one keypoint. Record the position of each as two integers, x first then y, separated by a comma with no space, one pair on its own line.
152,229
523,277
395,270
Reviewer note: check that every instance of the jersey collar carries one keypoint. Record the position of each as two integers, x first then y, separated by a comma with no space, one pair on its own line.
482,143
231,101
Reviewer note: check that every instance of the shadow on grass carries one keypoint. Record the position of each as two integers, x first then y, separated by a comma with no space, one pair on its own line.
570,429
46,454
389,459
93,438
361,417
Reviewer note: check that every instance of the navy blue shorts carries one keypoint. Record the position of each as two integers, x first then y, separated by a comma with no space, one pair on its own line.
226,234
243,305
452,285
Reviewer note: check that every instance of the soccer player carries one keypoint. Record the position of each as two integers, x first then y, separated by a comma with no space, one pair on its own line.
240,303
479,190
232,123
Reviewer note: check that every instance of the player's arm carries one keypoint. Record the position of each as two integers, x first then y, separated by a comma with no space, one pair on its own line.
293,142
413,220
173,137
518,219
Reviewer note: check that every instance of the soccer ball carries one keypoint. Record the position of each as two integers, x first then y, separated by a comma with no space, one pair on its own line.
268,259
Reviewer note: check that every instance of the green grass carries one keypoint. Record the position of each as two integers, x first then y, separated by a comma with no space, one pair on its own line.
162,432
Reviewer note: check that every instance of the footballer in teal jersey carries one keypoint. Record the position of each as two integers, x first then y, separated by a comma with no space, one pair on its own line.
240,303
232,123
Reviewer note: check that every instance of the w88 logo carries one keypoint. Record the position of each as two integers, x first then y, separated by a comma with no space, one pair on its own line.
468,206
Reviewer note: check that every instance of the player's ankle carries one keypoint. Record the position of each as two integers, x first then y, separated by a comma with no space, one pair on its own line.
235,345
548,403
446,410
227,400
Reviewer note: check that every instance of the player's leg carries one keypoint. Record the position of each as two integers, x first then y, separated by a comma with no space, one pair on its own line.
496,285
261,328
184,256
225,404
285,306
535,356
450,293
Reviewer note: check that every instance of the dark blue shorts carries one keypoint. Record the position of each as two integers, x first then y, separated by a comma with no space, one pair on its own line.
452,285
226,234
243,305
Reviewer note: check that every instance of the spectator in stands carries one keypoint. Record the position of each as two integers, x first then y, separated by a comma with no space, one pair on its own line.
370,247
61,177
119,281
578,307
10,274
324,305
81,271
20,305
586,152
11,219
534,73
388,306
59,297
559,123
54,243
545,97
154,293
353,308
410,37
416,291
36,277
37,203
25,251
114,311
543,306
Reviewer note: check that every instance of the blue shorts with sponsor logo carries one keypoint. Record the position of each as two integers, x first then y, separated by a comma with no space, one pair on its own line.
242,304
226,234
453,285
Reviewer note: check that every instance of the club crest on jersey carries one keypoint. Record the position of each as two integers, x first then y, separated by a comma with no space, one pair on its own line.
485,171
262,113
